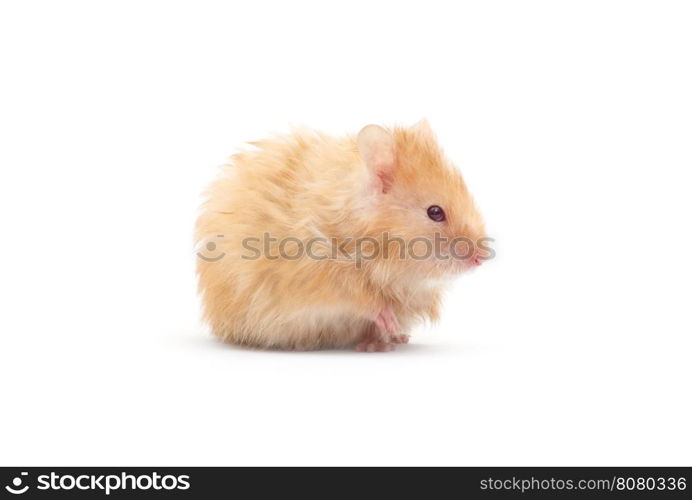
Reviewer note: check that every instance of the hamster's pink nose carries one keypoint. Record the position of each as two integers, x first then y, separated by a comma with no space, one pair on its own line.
476,260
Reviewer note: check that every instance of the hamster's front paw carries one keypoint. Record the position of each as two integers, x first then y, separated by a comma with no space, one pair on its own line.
389,327
368,345
386,321
399,339
383,335
374,341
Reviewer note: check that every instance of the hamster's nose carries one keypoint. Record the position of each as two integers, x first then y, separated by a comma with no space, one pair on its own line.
476,260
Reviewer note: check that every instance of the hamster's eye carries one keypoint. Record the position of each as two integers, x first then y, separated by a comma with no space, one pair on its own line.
436,213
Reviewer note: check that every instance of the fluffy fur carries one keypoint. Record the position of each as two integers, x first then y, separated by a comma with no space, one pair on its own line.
308,185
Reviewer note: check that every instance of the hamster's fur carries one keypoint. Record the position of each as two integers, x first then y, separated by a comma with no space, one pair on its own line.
312,187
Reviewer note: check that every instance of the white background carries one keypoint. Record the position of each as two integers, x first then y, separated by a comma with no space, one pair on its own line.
571,121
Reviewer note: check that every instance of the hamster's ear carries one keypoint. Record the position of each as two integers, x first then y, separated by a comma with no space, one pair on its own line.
378,151
423,127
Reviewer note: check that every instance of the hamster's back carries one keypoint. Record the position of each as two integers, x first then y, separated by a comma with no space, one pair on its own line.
266,200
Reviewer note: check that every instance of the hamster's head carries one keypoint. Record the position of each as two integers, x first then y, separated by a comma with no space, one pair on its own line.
419,196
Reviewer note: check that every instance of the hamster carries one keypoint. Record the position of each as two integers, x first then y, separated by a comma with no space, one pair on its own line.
308,241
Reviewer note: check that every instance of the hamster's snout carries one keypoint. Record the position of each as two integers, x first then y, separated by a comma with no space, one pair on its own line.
478,257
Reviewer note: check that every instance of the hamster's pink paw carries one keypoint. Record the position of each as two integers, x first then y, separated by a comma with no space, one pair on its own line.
399,339
374,347
373,341
386,321
382,336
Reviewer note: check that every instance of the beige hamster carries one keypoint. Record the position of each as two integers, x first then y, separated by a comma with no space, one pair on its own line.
308,241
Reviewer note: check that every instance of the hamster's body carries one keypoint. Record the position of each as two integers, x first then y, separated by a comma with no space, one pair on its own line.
289,223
